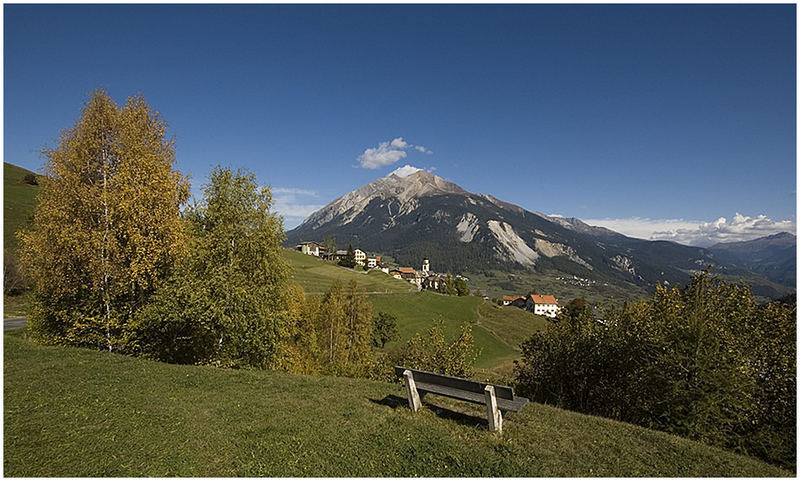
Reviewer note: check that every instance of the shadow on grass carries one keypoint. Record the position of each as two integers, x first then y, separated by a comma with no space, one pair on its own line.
394,402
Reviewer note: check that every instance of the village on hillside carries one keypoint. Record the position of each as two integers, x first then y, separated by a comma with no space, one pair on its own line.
425,279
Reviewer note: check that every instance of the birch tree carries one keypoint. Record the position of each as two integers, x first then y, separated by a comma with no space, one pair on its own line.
107,229
234,307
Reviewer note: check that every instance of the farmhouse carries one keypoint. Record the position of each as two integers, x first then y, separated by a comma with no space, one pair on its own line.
518,301
310,248
542,305
433,282
408,274
360,255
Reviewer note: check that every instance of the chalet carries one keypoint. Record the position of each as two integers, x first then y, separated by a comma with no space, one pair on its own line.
360,255
518,301
373,261
408,274
542,305
432,282
310,248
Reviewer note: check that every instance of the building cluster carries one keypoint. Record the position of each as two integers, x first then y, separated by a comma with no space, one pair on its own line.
424,278
361,257
540,305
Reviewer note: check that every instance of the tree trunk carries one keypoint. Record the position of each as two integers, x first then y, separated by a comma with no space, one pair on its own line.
106,228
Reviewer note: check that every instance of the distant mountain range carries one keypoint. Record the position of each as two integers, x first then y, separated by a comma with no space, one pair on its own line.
774,257
422,215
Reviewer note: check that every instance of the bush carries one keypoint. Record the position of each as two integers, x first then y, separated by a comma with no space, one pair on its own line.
30,178
705,362
14,281
433,353
384,329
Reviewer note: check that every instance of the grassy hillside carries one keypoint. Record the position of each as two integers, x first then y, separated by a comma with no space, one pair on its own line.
316,275
497,330
76,412
19,199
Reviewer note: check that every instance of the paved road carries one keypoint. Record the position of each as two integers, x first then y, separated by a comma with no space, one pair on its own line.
14,322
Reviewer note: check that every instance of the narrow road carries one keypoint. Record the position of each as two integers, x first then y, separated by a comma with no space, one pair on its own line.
14,322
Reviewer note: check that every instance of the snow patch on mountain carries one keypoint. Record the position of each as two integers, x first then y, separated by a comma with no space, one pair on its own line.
467,227
512,247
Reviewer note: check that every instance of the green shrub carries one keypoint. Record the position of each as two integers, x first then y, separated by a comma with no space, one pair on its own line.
433,353
704,362
384,329
30,179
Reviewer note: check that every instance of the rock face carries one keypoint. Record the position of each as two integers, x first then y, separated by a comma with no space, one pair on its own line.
405,190
415,215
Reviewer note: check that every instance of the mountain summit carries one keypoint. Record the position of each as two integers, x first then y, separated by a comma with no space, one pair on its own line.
411,214
405,185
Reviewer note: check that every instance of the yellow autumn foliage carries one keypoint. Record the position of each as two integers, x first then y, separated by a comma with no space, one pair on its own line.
107,230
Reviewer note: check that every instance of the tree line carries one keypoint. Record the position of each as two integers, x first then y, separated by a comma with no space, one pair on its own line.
120,260
705,362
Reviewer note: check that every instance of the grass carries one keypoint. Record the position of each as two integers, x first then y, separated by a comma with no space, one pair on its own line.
77,412
16,306
316,275
497,330
19,199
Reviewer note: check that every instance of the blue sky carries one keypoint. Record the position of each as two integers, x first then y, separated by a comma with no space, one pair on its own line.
646,118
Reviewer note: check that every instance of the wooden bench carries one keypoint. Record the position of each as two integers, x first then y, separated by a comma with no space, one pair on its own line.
496,398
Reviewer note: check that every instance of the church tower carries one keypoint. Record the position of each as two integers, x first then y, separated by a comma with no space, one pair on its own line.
426,266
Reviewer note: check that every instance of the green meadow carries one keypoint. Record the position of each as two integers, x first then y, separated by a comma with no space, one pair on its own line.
19,199
79,412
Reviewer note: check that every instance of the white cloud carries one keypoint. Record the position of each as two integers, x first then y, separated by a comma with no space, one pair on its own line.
293,204
405,171
292,190
387,153
740,228
399,143
695,232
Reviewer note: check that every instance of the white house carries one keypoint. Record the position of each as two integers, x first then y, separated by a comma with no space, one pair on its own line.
361,256
542,305
373,261
310,248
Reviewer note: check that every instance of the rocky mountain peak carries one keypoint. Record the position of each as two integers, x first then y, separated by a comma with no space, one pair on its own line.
405,184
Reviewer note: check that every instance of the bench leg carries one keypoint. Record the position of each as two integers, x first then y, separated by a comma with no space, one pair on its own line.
411,390
495,416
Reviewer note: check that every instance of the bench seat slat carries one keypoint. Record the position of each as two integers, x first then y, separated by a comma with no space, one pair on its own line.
502,392
514,405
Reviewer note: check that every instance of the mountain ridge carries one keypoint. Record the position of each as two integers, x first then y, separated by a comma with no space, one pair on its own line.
422,215
773,256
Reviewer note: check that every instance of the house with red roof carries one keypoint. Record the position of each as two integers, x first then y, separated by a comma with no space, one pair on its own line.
542,305
518,301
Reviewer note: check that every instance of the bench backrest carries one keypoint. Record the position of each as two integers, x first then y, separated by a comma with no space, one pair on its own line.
502,392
